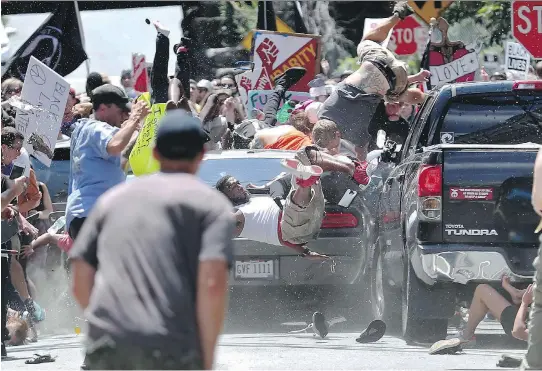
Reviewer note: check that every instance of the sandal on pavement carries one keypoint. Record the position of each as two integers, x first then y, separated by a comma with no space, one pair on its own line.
46,358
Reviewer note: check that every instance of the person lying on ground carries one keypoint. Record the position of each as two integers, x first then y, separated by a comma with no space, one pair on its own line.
17,327
298,221
380,76
509,307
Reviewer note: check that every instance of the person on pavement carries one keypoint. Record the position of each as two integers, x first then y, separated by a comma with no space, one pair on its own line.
298,221
127,83
169,310
97,145
509,306
380,76
533,358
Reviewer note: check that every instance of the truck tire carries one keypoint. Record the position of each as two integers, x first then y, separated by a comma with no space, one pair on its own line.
385,302
416,329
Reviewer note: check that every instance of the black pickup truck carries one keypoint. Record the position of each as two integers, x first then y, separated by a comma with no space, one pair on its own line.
455,208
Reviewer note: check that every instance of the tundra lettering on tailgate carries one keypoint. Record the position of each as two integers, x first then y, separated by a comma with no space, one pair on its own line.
460,230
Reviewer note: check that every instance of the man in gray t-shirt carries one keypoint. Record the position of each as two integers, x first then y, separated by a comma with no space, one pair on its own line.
151,263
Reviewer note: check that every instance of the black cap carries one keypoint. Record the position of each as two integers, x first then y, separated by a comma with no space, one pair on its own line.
108,94
180,136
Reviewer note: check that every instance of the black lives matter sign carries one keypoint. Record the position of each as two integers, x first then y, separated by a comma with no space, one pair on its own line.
517,58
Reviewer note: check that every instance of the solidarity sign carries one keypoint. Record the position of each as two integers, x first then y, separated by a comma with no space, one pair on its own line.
274,53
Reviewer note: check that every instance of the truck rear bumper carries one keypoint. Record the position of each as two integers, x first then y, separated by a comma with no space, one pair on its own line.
463,264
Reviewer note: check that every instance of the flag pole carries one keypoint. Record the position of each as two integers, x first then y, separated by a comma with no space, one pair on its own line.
81,33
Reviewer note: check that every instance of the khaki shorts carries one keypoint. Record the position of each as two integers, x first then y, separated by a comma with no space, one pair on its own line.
368,49
300,225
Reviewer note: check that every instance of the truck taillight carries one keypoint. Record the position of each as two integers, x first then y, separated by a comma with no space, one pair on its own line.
430,192
339,220
527,85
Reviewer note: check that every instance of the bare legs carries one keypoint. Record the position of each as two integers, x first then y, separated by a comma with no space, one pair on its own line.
486,299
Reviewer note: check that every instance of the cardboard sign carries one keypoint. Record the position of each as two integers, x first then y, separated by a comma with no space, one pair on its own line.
274,52
141,160
451,61
139,73
258,98
44,97
517,58
244,83
471,194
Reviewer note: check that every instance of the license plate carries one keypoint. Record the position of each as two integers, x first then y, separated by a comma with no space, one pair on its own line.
262,269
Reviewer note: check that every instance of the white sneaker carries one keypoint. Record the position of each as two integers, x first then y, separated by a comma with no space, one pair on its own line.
160,28
459,335
297,169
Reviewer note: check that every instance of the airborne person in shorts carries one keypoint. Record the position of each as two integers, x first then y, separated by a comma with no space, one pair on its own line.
380,76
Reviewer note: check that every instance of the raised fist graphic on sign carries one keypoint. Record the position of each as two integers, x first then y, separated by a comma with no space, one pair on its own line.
246,83
268,52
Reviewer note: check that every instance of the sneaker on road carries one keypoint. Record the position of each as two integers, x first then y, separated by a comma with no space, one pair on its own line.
449,346
402,9
374,332
319,324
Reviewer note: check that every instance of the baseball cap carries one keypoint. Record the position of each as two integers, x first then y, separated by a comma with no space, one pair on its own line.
205,84
180,136
108,93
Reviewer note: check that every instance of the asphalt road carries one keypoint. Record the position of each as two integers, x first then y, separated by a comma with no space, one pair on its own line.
256,338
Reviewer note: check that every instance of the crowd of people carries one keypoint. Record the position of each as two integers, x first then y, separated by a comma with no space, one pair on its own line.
332,132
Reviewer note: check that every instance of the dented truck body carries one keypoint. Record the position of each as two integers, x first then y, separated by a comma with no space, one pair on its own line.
456,211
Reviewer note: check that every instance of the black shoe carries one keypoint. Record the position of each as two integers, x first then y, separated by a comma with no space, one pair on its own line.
319,323
290,77
402,9
509,362
373,332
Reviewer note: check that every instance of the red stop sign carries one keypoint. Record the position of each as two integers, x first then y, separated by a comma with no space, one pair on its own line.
527,25
404,36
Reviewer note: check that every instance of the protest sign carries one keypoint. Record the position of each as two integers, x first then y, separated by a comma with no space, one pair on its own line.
244,85
139,73
274,52
517,58
258,98
141,160
451,61
44,97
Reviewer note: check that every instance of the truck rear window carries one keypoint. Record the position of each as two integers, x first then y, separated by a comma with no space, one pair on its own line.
493,119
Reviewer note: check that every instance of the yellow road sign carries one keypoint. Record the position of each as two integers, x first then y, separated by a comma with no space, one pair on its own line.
428,9
281,27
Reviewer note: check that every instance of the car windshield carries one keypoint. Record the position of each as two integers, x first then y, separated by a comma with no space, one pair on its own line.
257,171
505,119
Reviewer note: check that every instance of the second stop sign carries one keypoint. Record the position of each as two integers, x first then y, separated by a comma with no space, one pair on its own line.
404,36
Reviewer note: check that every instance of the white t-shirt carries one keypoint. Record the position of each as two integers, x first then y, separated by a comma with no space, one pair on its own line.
23,161
261,220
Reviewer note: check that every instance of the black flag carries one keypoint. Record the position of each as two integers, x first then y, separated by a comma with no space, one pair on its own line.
57,43
300,26
266,16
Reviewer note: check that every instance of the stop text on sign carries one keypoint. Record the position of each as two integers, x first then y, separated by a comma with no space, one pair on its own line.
524,13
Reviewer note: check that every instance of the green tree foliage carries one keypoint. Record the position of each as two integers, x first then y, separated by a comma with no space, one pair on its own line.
495,16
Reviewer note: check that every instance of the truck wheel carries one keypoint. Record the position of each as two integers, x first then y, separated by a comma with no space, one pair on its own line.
385,302
416,329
